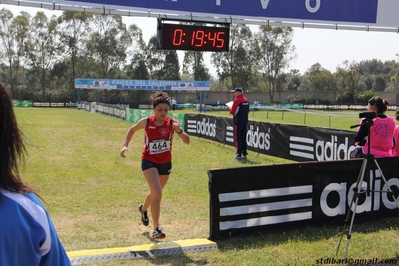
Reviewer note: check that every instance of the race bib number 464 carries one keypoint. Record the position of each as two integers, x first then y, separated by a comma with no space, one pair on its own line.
160,145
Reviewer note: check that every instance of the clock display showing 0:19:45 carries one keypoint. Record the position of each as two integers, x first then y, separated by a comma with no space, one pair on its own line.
197,38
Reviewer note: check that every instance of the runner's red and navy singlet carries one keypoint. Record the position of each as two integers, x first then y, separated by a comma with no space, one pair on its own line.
158,141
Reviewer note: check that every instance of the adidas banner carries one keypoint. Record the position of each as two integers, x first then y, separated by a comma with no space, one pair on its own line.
298,143
254,199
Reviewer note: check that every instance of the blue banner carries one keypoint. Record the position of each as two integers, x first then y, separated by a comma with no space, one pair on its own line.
128,84
354,11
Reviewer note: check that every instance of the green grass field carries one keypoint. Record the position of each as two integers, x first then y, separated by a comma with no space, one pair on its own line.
92,193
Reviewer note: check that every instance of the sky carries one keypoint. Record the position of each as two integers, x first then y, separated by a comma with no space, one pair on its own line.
328,47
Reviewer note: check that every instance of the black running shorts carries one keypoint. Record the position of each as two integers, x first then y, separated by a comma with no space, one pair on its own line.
163,169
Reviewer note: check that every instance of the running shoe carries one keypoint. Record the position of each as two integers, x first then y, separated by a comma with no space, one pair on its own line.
238,157
157,234
144,216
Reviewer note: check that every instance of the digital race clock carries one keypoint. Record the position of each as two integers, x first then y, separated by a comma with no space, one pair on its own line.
193,38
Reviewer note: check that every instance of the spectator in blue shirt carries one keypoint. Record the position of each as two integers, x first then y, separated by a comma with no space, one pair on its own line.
27,234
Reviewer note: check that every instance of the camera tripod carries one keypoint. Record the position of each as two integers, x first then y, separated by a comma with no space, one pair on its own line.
364,175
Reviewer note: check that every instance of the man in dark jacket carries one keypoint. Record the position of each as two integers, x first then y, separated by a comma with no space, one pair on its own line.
240,111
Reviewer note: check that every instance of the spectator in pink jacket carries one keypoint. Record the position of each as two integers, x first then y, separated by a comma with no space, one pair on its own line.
381,131
395,150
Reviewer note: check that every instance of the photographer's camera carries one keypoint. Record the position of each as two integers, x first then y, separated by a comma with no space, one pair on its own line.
368,115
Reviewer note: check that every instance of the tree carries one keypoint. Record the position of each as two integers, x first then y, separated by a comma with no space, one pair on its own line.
293,80
137,68
376,73
108,43
13,36
73,31
42,49
348,78
374,66
236,65
155,58
6,35
194,65
137,53
394,78
139,71
379,83
171,66
320,79
107,48
273,54
138,44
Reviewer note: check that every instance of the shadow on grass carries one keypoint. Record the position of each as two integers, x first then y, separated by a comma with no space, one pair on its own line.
248,162
306,234
167,253
176,260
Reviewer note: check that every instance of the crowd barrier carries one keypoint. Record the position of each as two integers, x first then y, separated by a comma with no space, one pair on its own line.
29,103
122,112
248,200
319,188
298,143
